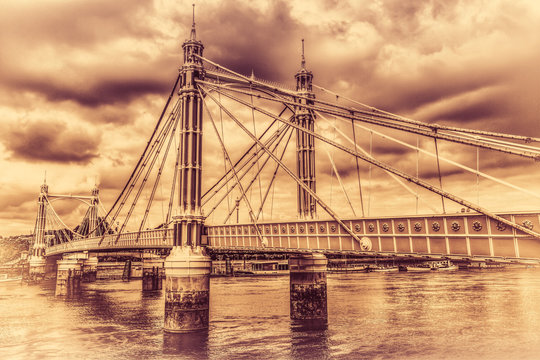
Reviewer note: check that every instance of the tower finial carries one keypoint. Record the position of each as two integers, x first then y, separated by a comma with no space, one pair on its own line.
45,178
303,58
193,34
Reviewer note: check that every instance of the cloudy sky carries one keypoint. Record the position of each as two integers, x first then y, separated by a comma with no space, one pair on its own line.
83,82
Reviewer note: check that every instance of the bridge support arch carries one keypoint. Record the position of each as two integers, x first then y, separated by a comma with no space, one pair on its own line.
308,287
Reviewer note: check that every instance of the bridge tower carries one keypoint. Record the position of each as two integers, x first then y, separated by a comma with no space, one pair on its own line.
308,294
305,143
187,268
37,254
93,219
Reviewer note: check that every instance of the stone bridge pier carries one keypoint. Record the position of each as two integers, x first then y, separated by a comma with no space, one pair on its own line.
153,272
187,289
68,275
308,287
89,269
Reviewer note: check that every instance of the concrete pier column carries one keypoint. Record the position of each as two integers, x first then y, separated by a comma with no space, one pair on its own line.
187,289
37,266
89,269
68,277
152,273
308,287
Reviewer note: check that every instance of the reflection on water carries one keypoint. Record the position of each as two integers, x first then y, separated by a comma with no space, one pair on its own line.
453,315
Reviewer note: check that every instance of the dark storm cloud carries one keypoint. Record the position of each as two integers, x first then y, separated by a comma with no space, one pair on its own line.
51,141
245,38
65,35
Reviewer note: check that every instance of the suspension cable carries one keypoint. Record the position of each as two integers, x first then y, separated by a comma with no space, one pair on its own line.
398,173
284,167
243,193
273,178
354,114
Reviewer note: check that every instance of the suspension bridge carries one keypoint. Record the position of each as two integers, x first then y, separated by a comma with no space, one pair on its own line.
249,124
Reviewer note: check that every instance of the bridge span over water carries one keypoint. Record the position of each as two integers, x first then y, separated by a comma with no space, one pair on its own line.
264,117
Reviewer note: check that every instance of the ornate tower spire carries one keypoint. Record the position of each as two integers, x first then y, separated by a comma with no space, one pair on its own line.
193,32
192,46
305,143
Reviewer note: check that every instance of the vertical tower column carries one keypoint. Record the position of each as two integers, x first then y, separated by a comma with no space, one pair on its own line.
187,268
308,287
37,254
93,219
305,143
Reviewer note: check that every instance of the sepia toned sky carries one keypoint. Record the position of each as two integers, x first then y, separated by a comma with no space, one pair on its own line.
83,82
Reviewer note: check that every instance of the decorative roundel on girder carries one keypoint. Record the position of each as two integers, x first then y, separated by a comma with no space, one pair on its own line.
246,230
221,231
365,244
371,227
401,227
357,228
501,226
301,229
528,224
311,229
275,229
267,229
283,229
436,226
227,231
455,226
385,227
417,226
321,228
233,231
293,229
477,225
333,228
260,228
253,230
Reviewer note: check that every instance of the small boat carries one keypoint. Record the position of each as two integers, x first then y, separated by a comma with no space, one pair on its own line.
386,269
445,268
418,268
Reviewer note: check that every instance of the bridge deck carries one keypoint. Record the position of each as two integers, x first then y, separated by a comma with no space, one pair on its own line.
463,235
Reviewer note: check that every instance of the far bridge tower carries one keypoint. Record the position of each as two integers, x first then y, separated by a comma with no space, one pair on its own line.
305,143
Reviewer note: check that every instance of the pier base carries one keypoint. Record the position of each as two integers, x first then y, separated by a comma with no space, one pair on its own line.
152,273
37,265
187,289
89,269
68,277
308,287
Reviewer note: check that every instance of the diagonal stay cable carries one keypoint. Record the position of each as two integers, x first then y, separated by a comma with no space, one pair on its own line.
158,176
242,157
130,185
259,170
145,179
354,115
249,163
401,174
289,171
145,149
273,177
244,197
464,167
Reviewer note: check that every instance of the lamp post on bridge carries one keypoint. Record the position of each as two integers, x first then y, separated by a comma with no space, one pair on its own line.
187,268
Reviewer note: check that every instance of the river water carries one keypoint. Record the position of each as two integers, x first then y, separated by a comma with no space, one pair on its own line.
437,315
